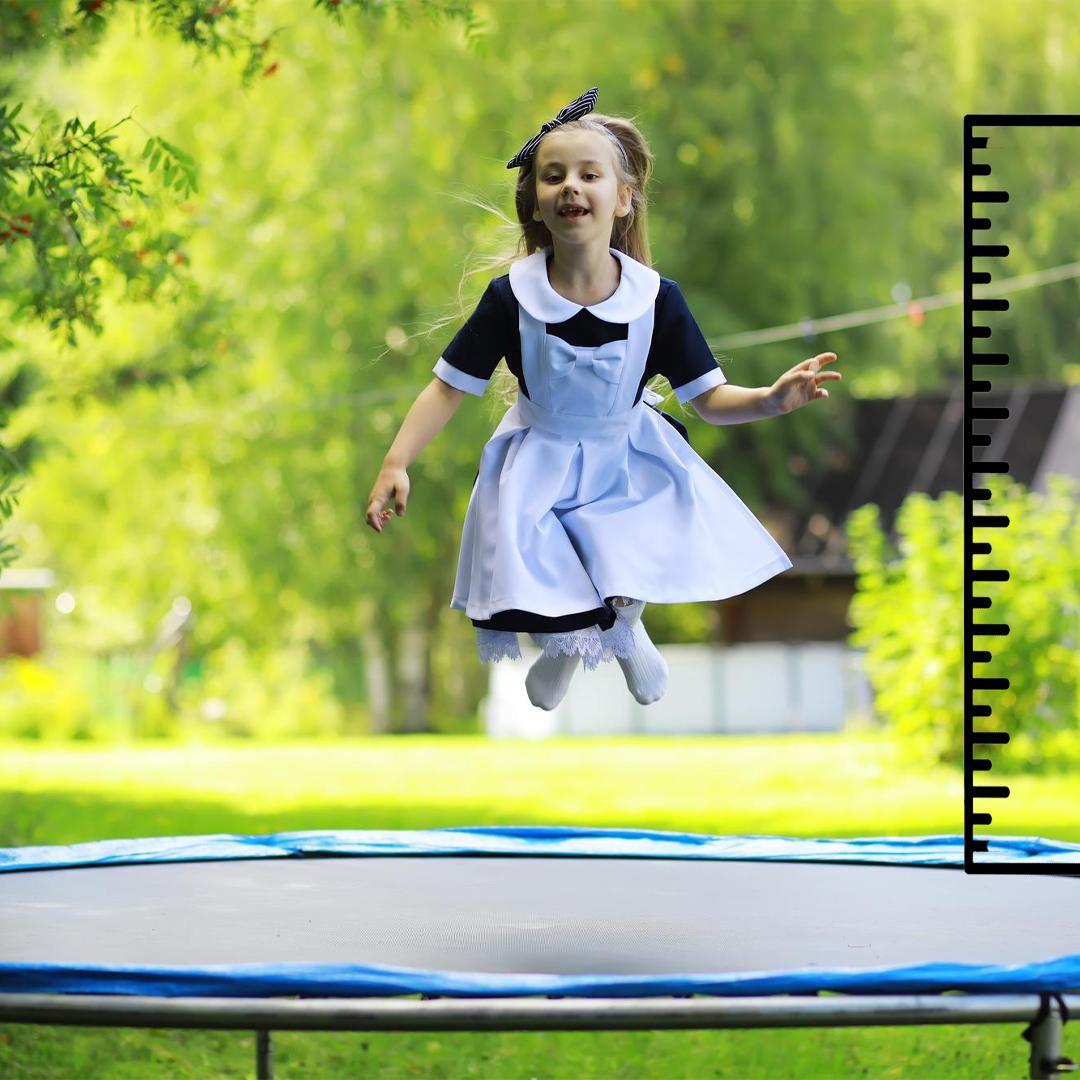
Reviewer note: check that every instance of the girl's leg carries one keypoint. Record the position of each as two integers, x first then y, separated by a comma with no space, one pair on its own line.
549,677
645,670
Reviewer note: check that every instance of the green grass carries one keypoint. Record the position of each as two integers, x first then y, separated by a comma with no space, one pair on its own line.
802,785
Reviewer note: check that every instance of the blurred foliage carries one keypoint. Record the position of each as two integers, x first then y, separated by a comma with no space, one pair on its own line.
74,215
216,433
43,702
273,695
909,609
236,695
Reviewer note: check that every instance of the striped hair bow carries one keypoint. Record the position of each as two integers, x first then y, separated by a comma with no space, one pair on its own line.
578,107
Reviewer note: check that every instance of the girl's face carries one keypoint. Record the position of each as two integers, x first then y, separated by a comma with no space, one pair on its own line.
578,168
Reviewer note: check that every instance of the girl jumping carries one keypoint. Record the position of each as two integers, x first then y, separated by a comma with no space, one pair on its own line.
589,502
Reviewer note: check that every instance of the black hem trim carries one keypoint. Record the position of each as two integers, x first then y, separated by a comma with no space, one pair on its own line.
529,621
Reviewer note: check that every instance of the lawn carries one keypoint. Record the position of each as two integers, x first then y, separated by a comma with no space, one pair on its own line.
801,785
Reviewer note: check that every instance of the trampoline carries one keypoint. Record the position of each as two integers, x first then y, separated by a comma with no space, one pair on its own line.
515,928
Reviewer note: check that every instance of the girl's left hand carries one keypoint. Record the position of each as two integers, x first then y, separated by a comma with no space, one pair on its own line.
799,385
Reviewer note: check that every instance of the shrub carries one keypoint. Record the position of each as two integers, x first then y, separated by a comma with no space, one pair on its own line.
241,694
273,694
908,612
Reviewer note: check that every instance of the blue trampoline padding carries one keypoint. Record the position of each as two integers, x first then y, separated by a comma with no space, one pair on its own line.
355,980
327,980
534,840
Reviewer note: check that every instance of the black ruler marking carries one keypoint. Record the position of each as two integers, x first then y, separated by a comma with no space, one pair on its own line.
984,633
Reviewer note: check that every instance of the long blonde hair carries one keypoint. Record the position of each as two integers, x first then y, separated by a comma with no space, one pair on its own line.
629,234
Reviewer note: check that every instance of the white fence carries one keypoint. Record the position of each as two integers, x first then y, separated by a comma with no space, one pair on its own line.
736,689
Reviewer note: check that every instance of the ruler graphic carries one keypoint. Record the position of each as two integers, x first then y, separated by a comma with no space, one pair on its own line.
983,634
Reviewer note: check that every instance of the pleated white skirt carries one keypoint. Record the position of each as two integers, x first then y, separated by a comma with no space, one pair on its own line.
569,510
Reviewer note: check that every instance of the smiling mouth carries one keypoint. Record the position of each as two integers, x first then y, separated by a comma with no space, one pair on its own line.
574,213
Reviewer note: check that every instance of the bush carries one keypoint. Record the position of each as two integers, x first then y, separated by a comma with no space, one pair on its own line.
42,703
241,694
908,612
265,695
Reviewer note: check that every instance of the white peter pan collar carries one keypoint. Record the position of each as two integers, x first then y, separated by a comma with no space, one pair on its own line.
638,287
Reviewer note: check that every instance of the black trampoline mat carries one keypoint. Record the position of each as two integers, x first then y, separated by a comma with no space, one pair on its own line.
561,916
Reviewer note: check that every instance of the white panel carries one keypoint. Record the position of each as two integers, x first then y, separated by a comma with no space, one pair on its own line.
755,692
748,688
598,703
690,706
818,697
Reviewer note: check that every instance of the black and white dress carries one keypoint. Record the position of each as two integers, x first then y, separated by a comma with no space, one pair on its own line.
586,491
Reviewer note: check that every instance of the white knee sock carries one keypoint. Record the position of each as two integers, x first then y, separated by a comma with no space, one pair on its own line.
645,670
549,678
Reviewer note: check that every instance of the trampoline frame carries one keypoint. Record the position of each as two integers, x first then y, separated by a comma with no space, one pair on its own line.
1042,1013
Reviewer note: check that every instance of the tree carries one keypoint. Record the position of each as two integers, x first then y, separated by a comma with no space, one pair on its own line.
75,216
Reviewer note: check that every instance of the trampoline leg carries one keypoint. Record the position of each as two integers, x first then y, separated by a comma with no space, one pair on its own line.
1046,1060
264,1056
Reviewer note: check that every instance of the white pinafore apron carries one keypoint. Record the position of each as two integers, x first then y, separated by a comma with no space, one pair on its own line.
582,495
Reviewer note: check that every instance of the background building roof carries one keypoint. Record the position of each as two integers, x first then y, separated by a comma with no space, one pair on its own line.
917,444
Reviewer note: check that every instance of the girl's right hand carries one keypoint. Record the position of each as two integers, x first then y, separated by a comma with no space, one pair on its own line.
392,483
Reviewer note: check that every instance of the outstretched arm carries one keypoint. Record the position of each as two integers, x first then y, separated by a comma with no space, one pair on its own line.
429,414
728,404
798,386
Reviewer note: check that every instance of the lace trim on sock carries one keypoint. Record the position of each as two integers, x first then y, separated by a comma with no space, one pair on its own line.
619,640
595,646
496,645
584,642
